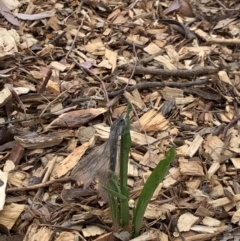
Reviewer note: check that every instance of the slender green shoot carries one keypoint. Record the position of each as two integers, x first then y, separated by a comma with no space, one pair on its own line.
124,158
117,189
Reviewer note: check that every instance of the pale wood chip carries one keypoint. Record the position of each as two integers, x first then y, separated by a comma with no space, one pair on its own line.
186,221
191,168
194,146
38,233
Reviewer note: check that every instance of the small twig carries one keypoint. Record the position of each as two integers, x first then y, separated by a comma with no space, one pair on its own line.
145,85
75,38
156,141
37,117
16,96
57,226
46,177
45,82
80,5
57,37
218,129
135,64
227,9
33,187
236,108
78,9
150,58
229,125
73,229
177,73
180,234
53,101
165,200
235,41
80,236
140,46
226,143
206,109
98,78
236,113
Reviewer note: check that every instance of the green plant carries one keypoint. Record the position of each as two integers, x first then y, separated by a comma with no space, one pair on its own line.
150,186
118,191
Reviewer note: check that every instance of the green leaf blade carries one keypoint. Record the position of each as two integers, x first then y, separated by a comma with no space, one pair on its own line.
124,156
150,186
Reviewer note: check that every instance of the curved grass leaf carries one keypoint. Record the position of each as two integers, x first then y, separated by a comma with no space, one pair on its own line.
150,186
115,196
115,193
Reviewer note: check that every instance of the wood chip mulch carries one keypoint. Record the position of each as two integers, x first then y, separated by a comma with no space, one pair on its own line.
68,70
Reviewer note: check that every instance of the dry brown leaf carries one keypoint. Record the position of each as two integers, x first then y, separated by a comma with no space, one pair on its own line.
6,12
186,8
34,141
76,118
174,6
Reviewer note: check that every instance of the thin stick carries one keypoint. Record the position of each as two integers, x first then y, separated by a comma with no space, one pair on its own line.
45,82
53,101
229,125
227,9
33,187
98,78
46,177
146,85
57,37
166,72
135,65
75,38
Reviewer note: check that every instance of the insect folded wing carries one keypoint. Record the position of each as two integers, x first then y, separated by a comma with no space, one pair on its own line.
104,174
89,166
100,160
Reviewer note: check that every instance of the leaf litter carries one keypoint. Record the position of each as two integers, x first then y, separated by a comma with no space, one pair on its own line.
68,66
